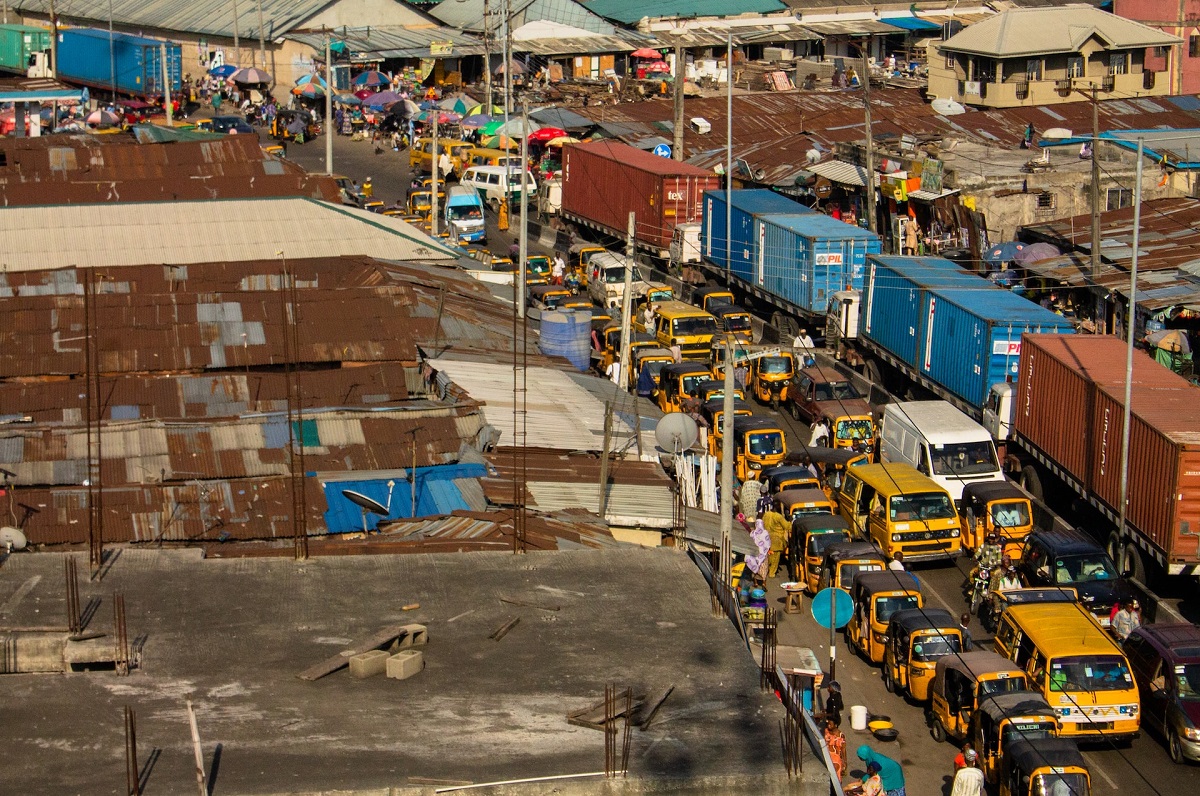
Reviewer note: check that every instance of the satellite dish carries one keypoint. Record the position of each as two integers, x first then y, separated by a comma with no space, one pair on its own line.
813,156
947,107
676,432
370,505
1057,132
12,538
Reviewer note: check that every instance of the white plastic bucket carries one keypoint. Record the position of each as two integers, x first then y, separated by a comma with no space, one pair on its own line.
858,717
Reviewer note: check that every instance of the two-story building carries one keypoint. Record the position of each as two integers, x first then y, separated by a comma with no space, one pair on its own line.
1177,17
1044,56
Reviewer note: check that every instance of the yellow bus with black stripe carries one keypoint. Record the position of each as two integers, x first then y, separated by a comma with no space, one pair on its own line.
901,510
688,327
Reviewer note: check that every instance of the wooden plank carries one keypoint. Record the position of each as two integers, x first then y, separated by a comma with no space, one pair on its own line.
502,631
653,704
330,665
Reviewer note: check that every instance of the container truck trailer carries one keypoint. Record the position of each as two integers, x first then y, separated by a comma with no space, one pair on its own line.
88,57
1066,426
19,44
604,181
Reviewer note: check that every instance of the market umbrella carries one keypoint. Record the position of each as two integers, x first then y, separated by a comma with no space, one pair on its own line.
224,70
1173,340
475,110
407,107
478,120
500,142
516,66
1003,252
372,78
454,105
491,127
347,99
562,139
518,128
646,52
428,105
1037,251
309,91
381,99
310,78
364,93
443,117
658,66
250,76
546,134
103,119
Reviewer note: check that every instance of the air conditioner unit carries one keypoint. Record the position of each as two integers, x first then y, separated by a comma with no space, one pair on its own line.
700,125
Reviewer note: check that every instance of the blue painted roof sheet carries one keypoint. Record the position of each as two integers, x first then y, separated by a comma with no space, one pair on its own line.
909,22
818,225
438,493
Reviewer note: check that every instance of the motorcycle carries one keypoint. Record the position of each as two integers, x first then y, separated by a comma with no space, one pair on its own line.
980,586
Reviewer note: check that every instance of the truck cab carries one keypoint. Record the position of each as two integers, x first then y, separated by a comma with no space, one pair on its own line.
706,298
841,318
998,411
606,279
940,442
464,215
685,244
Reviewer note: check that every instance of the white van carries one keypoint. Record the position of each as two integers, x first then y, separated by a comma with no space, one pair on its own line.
496,184
606,281
685,243
941,442
549,201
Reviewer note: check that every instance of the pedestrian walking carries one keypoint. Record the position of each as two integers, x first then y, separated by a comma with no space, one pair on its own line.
897,562
968,780
1126,620
891,775
960,759
835,742
819,433
834,705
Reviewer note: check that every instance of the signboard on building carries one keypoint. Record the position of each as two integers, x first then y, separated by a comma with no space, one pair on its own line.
441,48
931,176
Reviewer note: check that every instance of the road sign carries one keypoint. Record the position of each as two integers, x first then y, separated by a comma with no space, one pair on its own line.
663,151
832,608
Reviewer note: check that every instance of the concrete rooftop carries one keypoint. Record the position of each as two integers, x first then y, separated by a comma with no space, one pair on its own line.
231,636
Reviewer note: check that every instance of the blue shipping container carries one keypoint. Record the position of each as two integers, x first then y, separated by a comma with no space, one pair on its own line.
892,299
88,56
955,328
746,205
804,258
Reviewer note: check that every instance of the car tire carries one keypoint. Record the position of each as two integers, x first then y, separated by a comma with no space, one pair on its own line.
937,730
889,684
795,410
1174,746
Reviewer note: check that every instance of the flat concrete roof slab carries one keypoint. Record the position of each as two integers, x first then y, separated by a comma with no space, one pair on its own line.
231,635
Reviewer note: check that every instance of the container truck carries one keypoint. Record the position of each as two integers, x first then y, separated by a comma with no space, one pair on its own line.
604,181
1063,421
18,46
783,255
86,57
926,323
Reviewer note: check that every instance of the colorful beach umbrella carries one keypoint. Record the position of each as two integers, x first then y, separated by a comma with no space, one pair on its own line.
250,76
347,99
224,70
309,91
476,121
546,134
310,78
475,110
372,78
381,99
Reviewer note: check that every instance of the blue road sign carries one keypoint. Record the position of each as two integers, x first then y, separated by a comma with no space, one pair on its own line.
663,151
832,607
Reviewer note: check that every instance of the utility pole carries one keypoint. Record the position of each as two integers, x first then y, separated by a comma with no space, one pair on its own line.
262,44
507,58
112,52
680,71
487,61
1096,186
166,86
237,46
433,170
1130,323
728,161
329,131
627,302
870,176
53,47
726,507
523,232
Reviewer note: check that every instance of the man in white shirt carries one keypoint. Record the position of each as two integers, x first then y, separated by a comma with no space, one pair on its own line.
803,347
614,372
559,269
820,433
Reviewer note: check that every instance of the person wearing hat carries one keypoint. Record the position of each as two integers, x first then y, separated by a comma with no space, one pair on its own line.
968,780
960,759
368,190
871,784
891,775
834,704
1126,620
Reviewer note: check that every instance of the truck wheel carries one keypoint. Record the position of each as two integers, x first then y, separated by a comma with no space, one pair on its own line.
1113,548
1133,562
1032,481
872,372
937,730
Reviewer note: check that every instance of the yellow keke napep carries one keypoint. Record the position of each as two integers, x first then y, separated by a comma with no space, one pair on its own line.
803,502
1044,767
960,683
845,561
1075,665
999,507
714,413
677,382
878,595
917,638
758,443
690,328
900,510
1001,719
770,376
812,535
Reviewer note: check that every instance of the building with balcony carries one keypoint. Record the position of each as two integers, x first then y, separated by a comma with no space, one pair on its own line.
1044,56
1177,17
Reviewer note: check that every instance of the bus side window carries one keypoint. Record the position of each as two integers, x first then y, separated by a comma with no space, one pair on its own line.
923,465
866,500
1006,635
1025,651
1037,669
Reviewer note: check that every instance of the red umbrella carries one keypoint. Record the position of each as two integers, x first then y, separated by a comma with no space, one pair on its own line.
546,133
658,66
646,52
364,93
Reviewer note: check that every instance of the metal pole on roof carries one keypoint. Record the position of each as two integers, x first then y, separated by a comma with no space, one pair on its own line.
1096,186
726,428
433,171
487,61
329,131
1130,325
166,84
728,158
112,52
869,179
237,46
677,149
262,44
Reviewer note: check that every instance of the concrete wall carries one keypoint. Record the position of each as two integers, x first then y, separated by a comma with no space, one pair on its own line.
357,13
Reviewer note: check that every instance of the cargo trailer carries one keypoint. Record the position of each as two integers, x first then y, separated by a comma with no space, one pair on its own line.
1067,426
18,46
604,181
87,56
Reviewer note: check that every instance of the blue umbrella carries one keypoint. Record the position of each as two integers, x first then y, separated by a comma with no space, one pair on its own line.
1002,253
478,120
381,99
225,70
347,99
306,79
428,105
371,79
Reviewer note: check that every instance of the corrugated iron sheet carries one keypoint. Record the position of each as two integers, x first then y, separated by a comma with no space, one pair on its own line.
207,17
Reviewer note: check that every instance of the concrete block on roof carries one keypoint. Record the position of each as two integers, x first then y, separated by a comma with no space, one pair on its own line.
368,664
414,636
405,664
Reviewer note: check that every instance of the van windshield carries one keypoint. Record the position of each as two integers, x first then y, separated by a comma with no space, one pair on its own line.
1084,569
929,648
700,325
921,506
464,213
614,274
1090,673
965,458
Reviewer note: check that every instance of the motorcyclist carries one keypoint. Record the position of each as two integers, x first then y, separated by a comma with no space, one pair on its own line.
1009,579
987,561
989,553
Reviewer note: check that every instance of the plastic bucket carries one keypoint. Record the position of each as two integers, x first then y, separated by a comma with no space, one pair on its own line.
858,717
